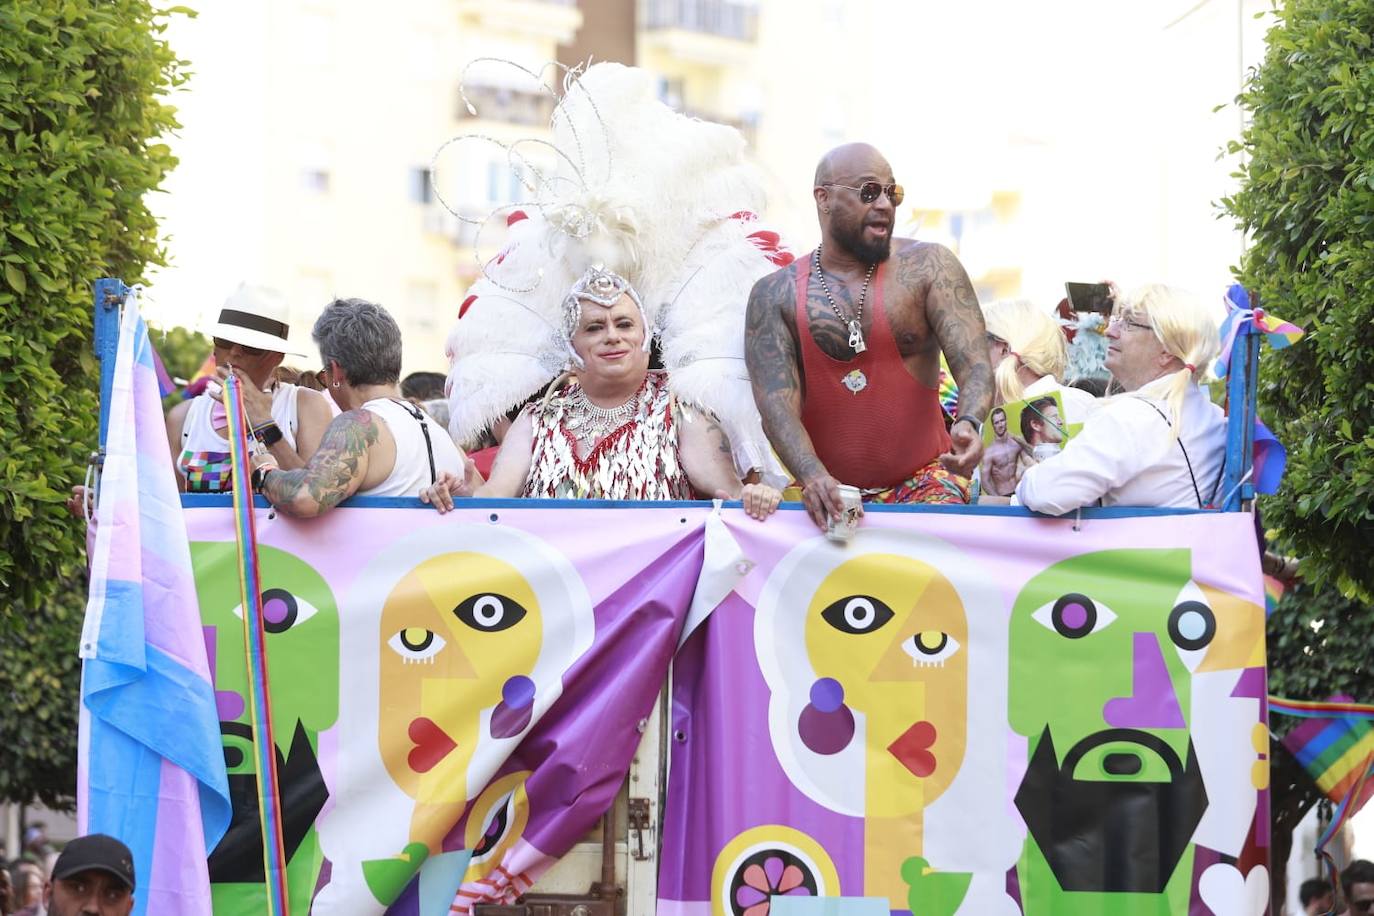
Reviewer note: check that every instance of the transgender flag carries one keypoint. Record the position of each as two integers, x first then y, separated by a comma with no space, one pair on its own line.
150,769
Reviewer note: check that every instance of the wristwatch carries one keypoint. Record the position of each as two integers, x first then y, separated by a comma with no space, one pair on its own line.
259,475
975,422
269,434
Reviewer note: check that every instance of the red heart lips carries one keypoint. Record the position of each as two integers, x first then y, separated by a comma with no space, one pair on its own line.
912,749
432,745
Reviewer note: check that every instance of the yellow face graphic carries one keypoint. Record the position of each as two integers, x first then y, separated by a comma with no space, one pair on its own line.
891,631
460,634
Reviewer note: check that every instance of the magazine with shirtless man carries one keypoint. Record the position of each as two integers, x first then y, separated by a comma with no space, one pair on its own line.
1018,435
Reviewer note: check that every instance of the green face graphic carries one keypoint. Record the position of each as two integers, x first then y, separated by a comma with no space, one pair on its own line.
302,624
1108,640
1103,648
302,641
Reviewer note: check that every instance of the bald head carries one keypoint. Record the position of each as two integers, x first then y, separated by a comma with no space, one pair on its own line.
850,160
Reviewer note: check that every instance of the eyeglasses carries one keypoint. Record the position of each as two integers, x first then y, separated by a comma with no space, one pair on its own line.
222,344
323,378
1122,319
869,191
1362,906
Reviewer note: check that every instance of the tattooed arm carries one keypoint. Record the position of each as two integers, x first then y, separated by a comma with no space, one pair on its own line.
770,352
933,272
333,473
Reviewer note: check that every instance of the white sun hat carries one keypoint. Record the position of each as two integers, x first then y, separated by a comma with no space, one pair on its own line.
255,316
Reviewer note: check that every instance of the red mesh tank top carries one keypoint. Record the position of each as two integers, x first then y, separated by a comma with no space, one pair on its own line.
871,423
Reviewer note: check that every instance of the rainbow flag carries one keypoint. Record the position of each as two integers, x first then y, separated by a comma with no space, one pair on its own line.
150,765
1273,593
1333,745
255,652
1277,332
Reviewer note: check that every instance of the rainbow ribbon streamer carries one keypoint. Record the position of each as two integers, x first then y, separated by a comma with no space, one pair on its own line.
1335,745
255,650
1240,316
1352,802
1334,708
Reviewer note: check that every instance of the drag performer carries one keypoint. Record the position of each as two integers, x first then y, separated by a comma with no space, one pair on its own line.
664,203
615,430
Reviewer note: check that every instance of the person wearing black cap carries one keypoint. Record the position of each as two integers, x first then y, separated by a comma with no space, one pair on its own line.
94,876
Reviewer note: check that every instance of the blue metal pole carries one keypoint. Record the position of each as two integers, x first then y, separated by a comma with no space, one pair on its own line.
109,293
1241,394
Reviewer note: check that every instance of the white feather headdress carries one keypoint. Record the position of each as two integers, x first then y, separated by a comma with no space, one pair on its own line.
668,202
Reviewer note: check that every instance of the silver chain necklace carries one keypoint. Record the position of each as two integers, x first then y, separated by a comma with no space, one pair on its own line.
855,324
591,423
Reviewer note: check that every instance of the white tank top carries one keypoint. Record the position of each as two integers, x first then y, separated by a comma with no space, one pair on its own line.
204,458
411,472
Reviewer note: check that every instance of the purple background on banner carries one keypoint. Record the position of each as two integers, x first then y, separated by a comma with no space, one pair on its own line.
717,666
580,751
725,773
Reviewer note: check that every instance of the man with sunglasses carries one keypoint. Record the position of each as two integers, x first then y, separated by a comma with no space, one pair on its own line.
843,349
250,342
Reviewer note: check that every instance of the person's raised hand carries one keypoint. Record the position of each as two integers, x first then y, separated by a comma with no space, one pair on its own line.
440,493
256,402
76,503
966,450
821,495
760,500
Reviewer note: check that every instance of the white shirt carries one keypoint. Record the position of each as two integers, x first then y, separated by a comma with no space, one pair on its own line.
1125,455
411,472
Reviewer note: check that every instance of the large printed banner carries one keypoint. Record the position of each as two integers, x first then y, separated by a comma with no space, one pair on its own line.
953,713
960,713
455,699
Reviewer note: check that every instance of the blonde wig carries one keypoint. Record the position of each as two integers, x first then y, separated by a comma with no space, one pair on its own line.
1034,340
1186,328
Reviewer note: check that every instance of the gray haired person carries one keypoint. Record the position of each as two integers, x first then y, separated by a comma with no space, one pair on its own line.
380,444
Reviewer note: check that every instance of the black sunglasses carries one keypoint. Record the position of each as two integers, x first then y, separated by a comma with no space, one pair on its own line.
223,344
869,191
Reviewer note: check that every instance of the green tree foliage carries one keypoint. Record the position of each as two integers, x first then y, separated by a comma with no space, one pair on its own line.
1318,646
182,351
82,105
1307,200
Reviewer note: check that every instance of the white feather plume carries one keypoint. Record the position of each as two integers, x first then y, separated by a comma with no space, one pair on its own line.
661,199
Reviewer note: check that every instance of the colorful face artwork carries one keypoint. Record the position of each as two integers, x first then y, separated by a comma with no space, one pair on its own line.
1107,650
460,635
302,632
866,650
460,659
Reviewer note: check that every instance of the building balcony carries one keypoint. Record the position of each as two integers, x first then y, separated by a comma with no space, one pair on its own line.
710,32
552,20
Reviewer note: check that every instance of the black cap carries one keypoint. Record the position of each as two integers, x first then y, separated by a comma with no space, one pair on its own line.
96,852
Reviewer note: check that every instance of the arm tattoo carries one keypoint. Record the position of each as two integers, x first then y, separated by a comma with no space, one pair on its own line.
717,435
932,273
771,354
333,473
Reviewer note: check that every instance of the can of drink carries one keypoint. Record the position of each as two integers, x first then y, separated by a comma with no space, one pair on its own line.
841,528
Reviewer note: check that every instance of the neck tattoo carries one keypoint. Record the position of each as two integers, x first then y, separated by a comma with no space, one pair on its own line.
855,324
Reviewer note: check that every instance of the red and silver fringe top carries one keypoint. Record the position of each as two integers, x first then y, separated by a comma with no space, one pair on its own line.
637,460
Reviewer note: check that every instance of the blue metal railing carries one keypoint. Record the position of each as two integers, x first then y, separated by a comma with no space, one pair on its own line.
109,295
1242,393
